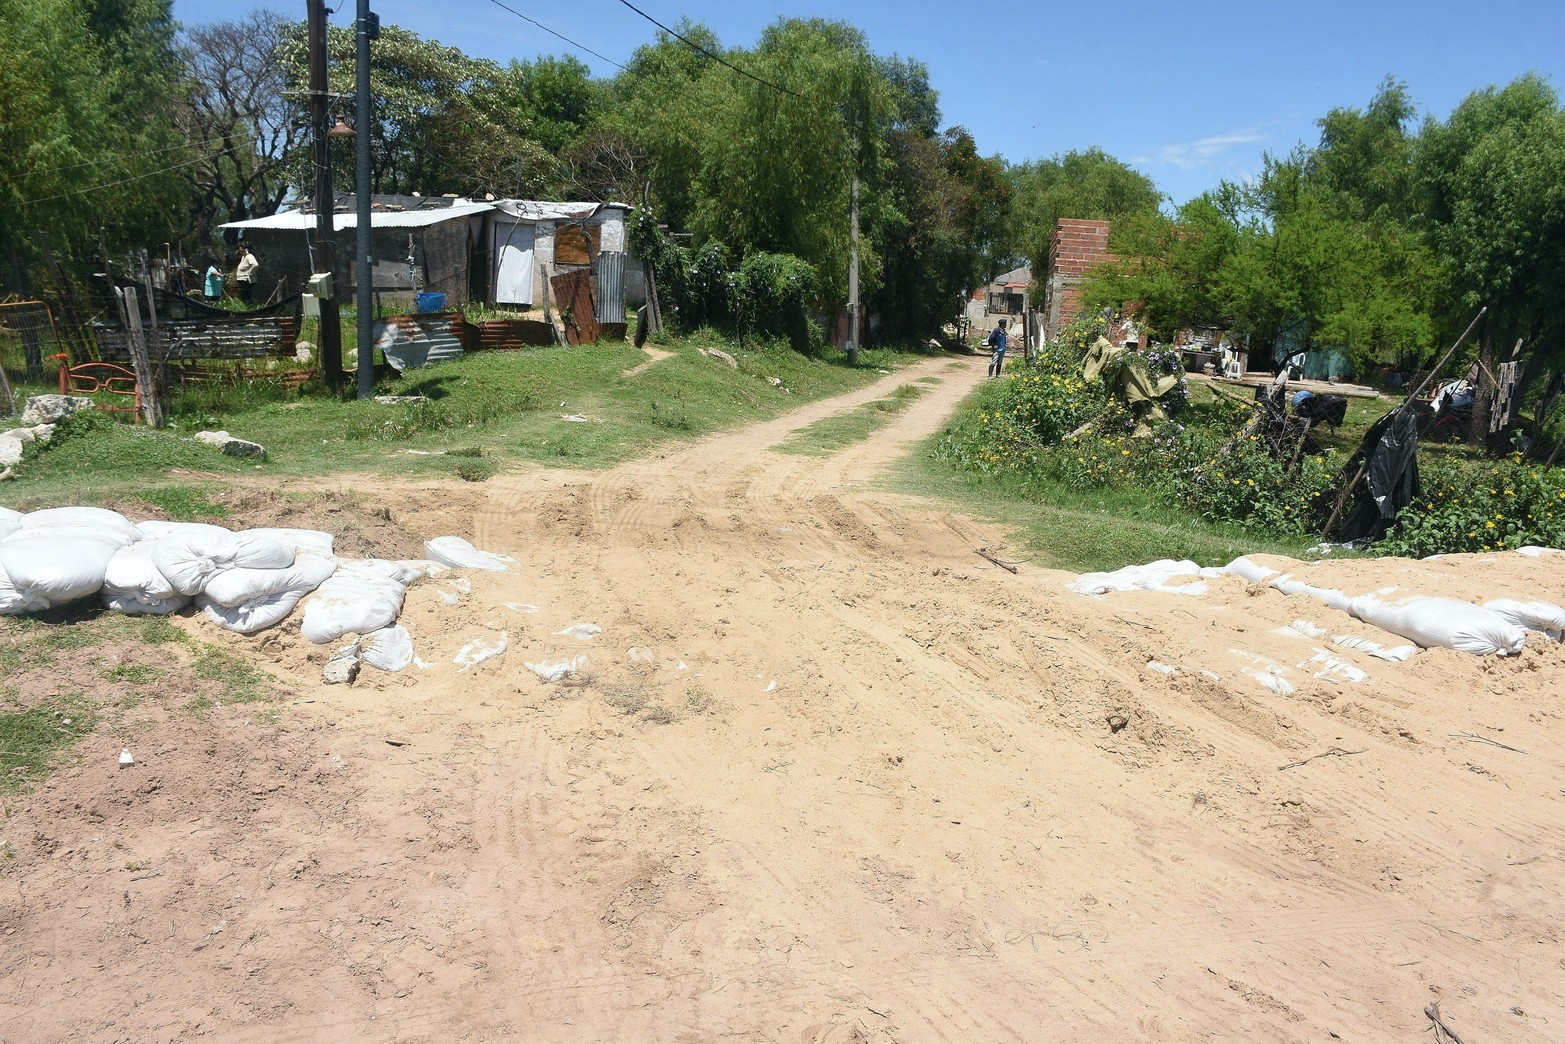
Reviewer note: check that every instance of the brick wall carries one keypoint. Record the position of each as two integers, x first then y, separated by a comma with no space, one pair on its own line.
1078,246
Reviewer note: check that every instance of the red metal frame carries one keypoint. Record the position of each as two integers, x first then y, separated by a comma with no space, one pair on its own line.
90,378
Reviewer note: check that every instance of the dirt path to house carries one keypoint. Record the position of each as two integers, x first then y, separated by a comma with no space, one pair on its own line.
825,774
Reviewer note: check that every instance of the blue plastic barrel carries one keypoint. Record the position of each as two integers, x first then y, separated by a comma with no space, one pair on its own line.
431,302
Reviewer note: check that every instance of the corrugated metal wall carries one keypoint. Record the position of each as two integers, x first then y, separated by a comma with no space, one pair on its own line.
610,269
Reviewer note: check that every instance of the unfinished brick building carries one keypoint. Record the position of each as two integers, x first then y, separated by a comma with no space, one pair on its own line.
1078,246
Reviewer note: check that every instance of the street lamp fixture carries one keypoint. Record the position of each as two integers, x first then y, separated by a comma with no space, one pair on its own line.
340,129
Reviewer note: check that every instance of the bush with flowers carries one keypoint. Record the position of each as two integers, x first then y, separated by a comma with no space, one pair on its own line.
1493,505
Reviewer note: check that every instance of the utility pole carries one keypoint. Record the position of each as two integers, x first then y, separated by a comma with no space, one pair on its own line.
853,280
366,28
325,197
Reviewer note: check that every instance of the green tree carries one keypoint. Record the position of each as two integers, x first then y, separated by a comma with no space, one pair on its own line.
1088,185
87,95
1494,181
441,121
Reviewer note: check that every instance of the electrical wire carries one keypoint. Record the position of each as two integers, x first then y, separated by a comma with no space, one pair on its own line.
126,156
127,181
697,47
551,32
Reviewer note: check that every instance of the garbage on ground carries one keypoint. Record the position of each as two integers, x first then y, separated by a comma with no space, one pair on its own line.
553,672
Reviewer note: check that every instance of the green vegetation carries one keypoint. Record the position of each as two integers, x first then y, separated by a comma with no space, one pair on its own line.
480,414
1381,241
66,673
826,437
1058,451
33,739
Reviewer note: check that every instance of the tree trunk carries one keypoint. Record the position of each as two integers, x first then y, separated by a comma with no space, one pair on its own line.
1483,393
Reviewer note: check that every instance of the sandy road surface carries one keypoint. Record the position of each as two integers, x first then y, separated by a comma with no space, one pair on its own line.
825,775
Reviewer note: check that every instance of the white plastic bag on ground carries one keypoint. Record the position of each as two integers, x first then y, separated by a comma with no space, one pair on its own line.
44,572
1533,616
480,649
1442,623
1330,595
237,586
454,551
1153,576
361,596
190,557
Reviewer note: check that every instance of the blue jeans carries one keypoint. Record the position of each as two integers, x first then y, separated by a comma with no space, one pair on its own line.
996,360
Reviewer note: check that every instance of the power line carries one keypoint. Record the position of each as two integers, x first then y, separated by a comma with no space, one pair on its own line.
126,156
695,46
551,32
127,181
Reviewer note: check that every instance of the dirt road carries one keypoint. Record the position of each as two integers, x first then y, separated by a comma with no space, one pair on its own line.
824,775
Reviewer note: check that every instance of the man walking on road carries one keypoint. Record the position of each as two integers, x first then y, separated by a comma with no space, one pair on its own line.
996,343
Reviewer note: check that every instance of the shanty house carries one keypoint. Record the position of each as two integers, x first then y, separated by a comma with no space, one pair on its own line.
497,252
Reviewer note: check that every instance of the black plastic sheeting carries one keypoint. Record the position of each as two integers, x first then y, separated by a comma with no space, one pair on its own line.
1391,480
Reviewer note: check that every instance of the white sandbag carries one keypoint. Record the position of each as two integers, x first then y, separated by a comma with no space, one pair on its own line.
44,572
255,615
1153,576
190,557
108,536
134,603
1442,623
1249,569
156,528
132,575
9,520
360,597
454,551
1534,551
313,541
81,518
390,649
1545,617
241,585
1330,595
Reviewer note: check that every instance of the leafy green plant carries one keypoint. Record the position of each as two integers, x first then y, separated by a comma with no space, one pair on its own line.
1488,506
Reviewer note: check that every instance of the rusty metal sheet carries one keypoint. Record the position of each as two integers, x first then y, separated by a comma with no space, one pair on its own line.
573,295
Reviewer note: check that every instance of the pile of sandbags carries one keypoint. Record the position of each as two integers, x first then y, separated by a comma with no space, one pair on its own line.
243,581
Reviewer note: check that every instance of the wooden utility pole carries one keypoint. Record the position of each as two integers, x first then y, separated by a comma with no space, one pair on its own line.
366,28
853,281
325,197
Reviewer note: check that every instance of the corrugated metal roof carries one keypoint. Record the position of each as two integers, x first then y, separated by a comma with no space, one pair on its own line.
539,210
300,221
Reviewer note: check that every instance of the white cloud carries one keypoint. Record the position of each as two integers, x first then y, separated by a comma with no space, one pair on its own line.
1195,154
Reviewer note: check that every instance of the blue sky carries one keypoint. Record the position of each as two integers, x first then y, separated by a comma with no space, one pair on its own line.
1186,93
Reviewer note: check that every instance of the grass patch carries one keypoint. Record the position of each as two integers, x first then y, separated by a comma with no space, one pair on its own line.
831,434
498,407
34,739
236,679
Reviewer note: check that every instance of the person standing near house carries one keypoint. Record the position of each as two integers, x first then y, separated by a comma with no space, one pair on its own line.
244,274
214,280
996,343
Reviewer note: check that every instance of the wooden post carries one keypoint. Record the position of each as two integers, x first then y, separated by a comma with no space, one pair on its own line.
136,341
